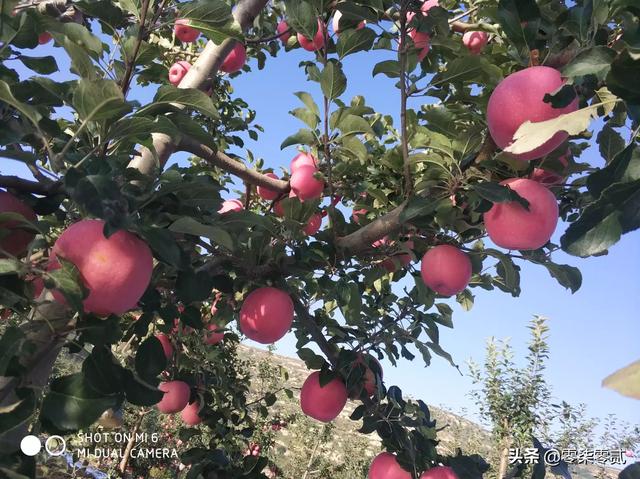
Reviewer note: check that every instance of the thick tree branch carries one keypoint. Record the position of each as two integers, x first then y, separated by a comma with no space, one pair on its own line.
362,239
28,186
207,64
234,167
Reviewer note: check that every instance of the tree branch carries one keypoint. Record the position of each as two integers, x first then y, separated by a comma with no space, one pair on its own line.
28,186
362,239
131,63
235,167
207,64
402,54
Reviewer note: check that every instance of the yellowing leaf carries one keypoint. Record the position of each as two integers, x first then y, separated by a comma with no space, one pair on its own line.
532,135
625,381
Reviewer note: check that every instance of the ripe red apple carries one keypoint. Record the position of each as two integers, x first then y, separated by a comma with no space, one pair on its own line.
475,41
547,177
265,193
385,466
303,159
511,226
369,383
318,41
283,30
266,315
446,270
18,238
428,5
336,22
184,32
519,98
304,183
231,205
176,396
5,313
212,336
167,347
116,271
177,72
44,37
235,60
439,472
314,224
190,415
323,403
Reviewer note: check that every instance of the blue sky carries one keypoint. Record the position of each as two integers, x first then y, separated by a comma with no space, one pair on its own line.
593,332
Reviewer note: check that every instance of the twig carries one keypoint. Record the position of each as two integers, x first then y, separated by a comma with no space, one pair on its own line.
402,53
268,39
235,167
122,467
131,63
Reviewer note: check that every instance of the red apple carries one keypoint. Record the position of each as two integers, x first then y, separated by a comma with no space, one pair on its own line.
304,183
116,271
336,22
385,466
266,315
231,205
313,226
267,194
303,159
176,396
16,241
519,98
212,336
439,472
322,403
5,313
547,177
284,31
184,32
428,5
190,415
167,347
475,41
318,41
511,226
177,72
235,60
446,270
44,37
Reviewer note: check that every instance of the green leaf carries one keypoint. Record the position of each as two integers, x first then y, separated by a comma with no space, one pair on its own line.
520,20
353,125
67,280
10,344
568,276
625,167
307,116
497,193
164,245
213,18
80,60
465,299
71,404
43,65
139,392
389,68
333,81
416,207
18,414
622,80
27,110
150,359
610,143
10,266
99,100
188,97
626,381
141,128
593,61
302,17
307,99
352,41
191,286
302,137
191,226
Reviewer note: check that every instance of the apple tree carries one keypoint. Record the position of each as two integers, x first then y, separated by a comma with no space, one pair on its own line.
128,263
